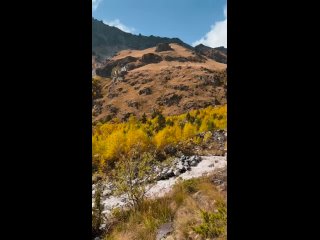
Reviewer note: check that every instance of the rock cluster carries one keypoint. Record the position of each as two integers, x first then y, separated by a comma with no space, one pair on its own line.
179,165
169,99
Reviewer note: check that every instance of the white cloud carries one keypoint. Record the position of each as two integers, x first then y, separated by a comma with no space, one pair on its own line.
217,36
121,26
95,4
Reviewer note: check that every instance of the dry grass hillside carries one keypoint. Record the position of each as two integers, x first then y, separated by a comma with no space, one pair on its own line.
174,81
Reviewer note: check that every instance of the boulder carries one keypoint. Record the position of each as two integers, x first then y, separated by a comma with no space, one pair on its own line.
178,59
164,230
176,172
163,47
180,166
198,158
170,173
183,170
151,58
193,163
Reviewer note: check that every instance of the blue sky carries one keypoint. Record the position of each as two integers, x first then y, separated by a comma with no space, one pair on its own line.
193,21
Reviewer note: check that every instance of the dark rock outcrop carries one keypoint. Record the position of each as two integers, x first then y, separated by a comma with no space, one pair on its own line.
178,59
169,99
218,54
133,104
161,47
145,91
151,58
106,70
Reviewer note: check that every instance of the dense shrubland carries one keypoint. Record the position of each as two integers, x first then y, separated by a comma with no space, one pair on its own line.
157,135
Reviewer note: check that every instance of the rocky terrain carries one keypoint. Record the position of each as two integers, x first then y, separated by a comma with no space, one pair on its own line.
168,77
183,167
218,54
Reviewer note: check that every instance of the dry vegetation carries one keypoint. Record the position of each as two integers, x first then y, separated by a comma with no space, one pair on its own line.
175,86
184,206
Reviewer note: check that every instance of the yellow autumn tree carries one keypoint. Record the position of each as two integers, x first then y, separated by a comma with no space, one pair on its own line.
189,131
115,145
137,137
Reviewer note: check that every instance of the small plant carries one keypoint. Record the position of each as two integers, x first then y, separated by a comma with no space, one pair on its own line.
190,185
214,223
97,216
133,175
207,136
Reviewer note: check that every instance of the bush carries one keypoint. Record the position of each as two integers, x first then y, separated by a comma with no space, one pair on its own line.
97,216
190,185
214,223
207,136
133,175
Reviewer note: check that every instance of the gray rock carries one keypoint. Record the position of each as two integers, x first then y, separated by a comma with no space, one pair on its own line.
176,172
163,47
164,230
193,163
106,192
180,166
170,173
184,169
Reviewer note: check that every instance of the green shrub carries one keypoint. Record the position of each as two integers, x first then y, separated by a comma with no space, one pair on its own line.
214,223
190,185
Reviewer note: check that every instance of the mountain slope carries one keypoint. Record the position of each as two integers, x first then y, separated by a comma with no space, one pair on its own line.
142,81
218,54
107,40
